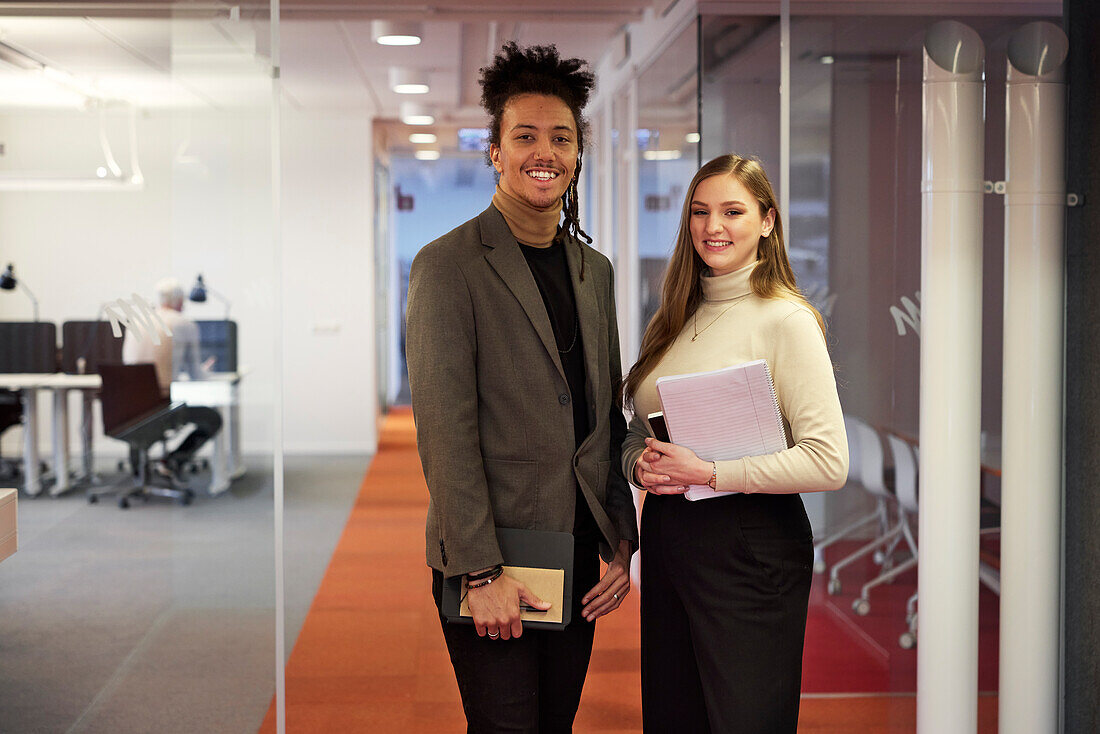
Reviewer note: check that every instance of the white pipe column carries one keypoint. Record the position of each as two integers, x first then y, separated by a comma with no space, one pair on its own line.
1031,434
950,382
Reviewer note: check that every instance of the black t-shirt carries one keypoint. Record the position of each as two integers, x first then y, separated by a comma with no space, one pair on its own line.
551,272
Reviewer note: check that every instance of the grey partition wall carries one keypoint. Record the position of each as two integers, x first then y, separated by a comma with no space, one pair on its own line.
28,346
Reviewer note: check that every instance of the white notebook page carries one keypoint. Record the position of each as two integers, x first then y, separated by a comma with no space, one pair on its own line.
723,414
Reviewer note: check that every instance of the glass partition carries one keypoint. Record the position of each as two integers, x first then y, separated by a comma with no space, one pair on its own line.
668,142
135,148
854,228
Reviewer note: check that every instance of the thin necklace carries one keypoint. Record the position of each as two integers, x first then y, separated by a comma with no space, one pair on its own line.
576,328
695,317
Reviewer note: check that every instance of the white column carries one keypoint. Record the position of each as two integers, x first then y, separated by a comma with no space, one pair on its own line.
950,383
1031,434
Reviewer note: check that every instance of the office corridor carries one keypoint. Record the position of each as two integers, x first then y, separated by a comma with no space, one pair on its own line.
370,656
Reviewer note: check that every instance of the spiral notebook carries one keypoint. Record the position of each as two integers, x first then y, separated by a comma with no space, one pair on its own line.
722,415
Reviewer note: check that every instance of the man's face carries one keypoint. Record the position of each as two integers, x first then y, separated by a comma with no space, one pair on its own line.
537,155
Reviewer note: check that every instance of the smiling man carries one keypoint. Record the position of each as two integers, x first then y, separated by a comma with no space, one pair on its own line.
513,357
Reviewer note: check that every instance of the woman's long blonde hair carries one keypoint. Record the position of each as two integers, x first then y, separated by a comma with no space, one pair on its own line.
682,291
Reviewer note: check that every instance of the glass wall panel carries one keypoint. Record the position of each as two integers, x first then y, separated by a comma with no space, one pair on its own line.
668,142
135,149
854,242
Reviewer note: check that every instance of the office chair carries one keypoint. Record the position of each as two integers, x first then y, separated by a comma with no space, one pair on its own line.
134,411
11,414
854,472
872,475
905,485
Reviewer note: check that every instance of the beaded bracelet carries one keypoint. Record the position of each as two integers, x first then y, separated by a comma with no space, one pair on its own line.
713,483
485,581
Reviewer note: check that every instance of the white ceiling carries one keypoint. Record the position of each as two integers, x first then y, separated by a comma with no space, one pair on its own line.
221,59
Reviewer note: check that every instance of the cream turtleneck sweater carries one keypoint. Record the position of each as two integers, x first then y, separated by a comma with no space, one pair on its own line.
736,326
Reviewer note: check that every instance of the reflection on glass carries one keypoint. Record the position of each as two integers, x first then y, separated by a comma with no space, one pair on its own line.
135,149
668,142
428,200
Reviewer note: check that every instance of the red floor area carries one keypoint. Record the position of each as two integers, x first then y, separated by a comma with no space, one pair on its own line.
849,653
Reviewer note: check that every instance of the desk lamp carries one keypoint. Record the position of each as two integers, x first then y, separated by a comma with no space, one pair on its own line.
8,283
198,294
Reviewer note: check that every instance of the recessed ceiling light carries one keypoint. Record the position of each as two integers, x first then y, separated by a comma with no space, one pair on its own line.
692,138
661,155
826,59
409,81
426,138
415,114
427,155
396,33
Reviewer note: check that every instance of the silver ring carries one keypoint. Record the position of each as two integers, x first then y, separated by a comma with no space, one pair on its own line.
493,635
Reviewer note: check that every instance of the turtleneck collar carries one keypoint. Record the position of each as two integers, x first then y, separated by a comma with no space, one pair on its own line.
530,225
729,286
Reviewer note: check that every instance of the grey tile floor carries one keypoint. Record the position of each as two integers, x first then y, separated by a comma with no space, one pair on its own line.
161,618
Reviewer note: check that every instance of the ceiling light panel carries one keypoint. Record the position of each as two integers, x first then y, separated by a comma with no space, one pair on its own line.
422,138
396,33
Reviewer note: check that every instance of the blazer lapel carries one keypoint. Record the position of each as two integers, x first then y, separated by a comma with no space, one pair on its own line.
588,315
505,258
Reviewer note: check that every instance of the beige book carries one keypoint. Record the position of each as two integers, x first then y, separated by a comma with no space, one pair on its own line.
547,584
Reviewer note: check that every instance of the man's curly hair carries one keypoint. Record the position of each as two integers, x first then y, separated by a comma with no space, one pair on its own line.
540,70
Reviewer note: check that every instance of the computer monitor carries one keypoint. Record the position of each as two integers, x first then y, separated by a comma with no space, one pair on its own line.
218,339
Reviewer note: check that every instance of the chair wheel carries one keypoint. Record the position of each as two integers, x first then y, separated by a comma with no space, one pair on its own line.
123,503
122,465
194,468
205,464
907,640
819,566
879,557
92,499
834,586
861,606
187,497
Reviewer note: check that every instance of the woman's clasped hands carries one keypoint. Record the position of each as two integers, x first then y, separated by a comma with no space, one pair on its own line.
667,468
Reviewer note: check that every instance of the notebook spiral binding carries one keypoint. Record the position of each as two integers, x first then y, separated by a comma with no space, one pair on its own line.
775,400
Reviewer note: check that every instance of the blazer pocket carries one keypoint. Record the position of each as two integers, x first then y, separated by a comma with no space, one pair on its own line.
513,492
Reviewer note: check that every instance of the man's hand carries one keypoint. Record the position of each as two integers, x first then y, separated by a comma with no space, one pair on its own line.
495,607
608,594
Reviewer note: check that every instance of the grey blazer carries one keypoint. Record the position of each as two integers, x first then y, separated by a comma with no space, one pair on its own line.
494,421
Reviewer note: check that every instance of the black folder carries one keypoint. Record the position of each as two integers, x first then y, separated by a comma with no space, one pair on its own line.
525,549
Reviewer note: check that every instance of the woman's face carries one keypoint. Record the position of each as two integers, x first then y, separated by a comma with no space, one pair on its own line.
726,225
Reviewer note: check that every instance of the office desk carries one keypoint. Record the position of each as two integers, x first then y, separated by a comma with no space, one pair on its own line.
221,391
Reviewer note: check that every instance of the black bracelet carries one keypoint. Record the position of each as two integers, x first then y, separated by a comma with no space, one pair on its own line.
483,574
485,581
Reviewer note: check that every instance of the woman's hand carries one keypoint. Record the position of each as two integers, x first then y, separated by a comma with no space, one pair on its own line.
678,465
646,477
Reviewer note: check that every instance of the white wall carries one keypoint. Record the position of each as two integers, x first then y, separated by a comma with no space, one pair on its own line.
330,367
207,206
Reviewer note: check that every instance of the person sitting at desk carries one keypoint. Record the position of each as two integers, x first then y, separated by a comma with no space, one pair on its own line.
175,355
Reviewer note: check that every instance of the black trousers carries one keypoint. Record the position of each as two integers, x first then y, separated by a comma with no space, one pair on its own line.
725,587
531,684
207,422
